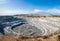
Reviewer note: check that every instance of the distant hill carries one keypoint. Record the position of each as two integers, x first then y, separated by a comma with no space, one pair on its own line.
37,15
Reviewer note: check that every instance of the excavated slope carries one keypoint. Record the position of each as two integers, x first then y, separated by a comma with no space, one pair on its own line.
29,27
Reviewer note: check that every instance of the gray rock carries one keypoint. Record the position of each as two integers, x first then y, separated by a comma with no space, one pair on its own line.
27,30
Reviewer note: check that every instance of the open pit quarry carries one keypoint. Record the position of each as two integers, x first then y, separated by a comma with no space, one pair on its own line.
24,28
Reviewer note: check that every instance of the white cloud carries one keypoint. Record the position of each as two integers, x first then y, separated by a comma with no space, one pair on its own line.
37,10
13,12
19,11
49,11
53,11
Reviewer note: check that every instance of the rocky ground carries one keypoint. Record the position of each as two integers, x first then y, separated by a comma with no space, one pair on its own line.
17,28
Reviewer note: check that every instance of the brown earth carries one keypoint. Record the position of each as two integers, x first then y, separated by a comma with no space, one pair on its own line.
20,38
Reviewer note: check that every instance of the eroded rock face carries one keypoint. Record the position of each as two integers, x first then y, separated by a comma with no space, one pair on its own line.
28,30
9,22
39,27
47,26
30,27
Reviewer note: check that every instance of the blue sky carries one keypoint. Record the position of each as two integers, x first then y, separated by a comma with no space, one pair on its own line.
11,7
